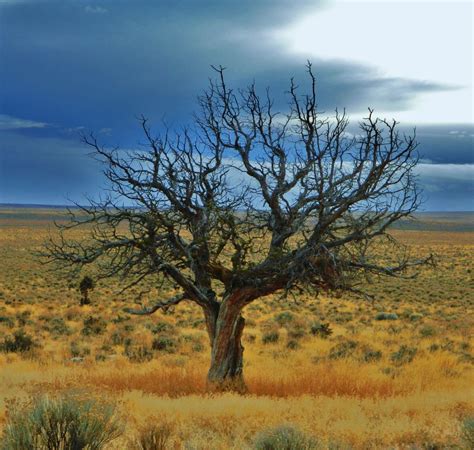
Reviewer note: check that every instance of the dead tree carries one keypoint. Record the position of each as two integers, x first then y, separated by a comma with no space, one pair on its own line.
245,203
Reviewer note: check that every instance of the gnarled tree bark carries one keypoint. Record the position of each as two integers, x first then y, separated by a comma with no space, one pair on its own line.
225,372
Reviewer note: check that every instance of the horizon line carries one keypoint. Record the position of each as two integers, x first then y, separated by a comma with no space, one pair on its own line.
73,206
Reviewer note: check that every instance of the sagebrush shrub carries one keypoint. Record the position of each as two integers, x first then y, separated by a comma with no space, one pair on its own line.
60,423
386,316
285,437
404,355
343,350
165,344
322,330
467,431
19,342
270,337
284,318
94,326
154,437
138,353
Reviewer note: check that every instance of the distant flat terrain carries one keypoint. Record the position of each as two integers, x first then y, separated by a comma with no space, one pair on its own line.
423,221
439,221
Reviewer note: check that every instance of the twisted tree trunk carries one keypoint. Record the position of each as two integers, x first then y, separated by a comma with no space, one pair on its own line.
225,329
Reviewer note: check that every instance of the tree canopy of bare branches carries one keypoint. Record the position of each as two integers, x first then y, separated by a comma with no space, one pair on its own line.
245,203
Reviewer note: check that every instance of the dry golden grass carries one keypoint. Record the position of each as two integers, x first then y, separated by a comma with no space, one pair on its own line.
404,383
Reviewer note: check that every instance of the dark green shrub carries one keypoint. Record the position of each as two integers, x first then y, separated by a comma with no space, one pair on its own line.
415,317
342,350
198,347
20,342
94,326
467,432
296,331
120,319
79,350
63,423
404,355
138,353
117,337
371,355
386,316
292,344
165,344
161,327
322,330
270,336
284,438
23,318
58,327
284,318
8,321
427,331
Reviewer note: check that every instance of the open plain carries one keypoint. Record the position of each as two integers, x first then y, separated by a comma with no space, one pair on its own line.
394,372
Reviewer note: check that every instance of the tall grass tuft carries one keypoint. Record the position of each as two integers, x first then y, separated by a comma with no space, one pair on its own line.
60,423
154,436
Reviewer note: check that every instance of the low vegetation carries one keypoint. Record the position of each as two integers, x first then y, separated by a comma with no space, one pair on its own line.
335,374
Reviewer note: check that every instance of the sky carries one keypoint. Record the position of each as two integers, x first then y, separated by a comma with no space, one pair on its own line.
68,66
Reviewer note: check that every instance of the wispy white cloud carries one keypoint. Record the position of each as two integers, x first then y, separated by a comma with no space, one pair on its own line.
14,123
446,172
437,179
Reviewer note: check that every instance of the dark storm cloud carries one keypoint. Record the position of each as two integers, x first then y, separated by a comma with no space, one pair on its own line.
96,64
64,63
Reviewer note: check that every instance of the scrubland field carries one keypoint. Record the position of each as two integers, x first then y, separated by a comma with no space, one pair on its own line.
396,372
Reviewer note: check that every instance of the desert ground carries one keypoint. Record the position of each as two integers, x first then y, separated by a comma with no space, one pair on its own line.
393,372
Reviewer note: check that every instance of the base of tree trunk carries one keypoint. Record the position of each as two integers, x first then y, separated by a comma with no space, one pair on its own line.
236,385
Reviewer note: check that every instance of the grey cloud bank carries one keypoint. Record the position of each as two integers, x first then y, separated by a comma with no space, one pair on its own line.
71,65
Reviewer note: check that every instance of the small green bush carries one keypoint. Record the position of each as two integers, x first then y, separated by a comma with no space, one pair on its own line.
404,355
161,327
343,350
165,344
58,327
23,318
322,330
270,337
8,321
138,353
386,316
296,331
427,331
120,319
284,318
20,342
94,326
117,337
467,431
154,437
292,344
284,437
371,355
79,350
62,423
415,317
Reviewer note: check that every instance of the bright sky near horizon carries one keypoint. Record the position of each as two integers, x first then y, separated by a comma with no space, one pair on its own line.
72,65
398,39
